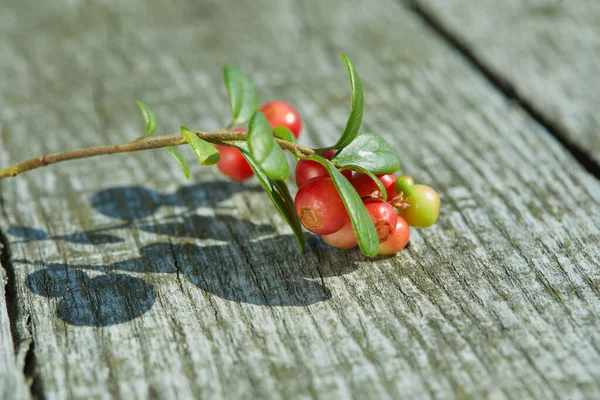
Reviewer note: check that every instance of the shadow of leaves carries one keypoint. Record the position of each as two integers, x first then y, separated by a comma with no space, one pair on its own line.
27,234
104,300
131,203
243,269
218,227
244,273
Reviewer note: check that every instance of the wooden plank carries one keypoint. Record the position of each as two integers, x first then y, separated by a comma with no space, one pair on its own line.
12,379
139,285
546,52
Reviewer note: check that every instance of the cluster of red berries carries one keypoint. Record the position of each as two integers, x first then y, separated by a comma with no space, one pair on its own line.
319,205
321,210
278,113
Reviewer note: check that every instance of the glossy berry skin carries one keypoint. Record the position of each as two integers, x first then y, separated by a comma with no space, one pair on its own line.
320,208
307,170
280,113
404,184
232,163
397,241
383,216
421,208
366,187
345,238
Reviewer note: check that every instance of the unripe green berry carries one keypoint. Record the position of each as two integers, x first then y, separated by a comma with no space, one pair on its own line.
404,184
421,208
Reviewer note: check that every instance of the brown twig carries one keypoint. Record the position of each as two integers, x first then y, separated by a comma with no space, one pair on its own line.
140,144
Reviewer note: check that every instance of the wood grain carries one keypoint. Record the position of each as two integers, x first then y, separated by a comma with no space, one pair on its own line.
140,285
544,52
12,377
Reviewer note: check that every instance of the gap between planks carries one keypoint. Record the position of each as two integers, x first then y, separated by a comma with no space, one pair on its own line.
557,130
24,345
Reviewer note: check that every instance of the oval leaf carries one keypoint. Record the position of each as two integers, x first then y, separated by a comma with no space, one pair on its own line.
149,118
368,241
284,133
206,153
181,161
279,194
356,112
242,95
265,150
370,152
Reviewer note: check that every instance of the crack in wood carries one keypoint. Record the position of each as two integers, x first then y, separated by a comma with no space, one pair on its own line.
556,129
24,345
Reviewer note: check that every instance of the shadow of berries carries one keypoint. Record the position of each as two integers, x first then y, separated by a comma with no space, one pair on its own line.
255,271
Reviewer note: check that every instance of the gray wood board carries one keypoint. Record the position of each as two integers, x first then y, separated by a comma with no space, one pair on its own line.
12,378
546,51
138,284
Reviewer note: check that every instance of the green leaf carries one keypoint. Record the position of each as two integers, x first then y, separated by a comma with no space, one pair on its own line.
368,241
372,176
284,133
265,150
356,112
369,152
279,194
242,95
149,117
206,153
181,161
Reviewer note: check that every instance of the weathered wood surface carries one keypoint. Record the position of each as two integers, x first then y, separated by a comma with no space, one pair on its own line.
545,51
12,379
139,285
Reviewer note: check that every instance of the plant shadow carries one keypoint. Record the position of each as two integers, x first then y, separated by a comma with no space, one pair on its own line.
129,203
133,205
237,272
27,234
266,271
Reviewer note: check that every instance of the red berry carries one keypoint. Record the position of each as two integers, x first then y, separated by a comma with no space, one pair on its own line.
383,216
397,241
320,207
345,238
307,170
366,187
280,113
232,163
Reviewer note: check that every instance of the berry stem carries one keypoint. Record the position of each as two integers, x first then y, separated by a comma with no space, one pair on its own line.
224,138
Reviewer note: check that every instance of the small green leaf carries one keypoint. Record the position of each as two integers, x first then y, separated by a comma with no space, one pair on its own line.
284,133
368,241
279,194
372,176
290,216
356,112
265,150
206,153
149,117
369,152
242,95
181,161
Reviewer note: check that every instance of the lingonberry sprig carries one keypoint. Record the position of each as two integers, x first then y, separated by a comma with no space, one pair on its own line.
347,192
